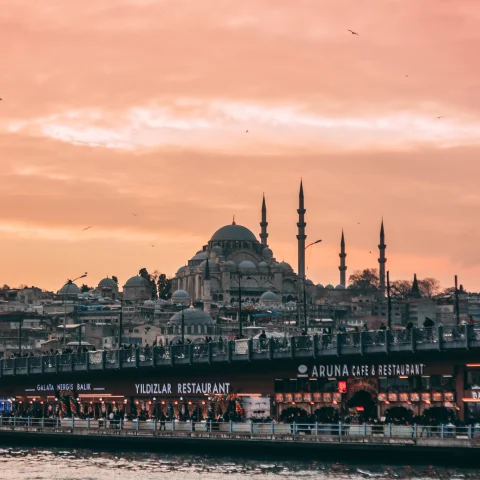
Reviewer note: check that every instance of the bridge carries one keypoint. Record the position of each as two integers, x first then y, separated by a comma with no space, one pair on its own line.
387,342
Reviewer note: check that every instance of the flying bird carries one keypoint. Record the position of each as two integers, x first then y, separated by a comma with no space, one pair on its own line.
441,116
134,214
352,32
406,76
153,245
86,229
246,131
358,223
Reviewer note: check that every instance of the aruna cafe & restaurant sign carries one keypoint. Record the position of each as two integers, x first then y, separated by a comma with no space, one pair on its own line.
359,371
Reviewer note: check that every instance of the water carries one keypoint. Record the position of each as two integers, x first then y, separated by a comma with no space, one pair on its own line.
58,464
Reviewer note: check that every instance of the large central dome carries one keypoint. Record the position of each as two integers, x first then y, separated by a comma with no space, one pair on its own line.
233,232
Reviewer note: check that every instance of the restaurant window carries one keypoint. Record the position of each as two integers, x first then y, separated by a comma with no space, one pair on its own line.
473,380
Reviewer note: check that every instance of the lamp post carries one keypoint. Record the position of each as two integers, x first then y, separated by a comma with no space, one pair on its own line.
70,282
302,258
183,298
120,324
389,302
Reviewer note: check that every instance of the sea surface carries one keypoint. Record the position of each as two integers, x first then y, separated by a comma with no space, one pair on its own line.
57,464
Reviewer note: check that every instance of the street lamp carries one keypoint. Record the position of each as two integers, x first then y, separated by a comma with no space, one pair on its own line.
303,281
182,297
240,325
69,282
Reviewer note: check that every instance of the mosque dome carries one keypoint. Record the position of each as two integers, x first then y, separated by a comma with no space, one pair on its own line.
107,283
231,265
319,285
149,303
330,287
217,249
268,297
211,263
181,270
137,281
180,296
350,287
69,289
200,256
285,266
192,316
263,265
267,253
247,265
233,232
309,282
340,287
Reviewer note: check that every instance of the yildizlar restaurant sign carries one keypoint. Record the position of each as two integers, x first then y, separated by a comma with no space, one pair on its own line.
356,371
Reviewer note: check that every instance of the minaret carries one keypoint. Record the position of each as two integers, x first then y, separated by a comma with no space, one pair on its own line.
207,288
415,292
301,237
342,267
264,224
382,261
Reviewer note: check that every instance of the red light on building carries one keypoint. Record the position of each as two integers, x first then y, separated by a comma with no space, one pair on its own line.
360,409
342,387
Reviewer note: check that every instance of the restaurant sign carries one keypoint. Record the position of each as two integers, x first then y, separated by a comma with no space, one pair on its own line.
192,388
347,371
53,387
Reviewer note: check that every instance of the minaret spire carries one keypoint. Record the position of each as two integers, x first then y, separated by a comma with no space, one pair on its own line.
301,237
343,267
382,261
264,224
415,292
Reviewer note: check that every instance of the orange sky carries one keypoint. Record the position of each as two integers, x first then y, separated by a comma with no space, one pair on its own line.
141,106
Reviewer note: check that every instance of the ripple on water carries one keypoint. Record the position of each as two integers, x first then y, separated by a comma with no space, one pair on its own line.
23,464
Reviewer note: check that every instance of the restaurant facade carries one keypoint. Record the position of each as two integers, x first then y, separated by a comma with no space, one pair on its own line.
371,386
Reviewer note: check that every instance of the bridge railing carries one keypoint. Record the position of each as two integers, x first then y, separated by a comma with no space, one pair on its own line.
443,431
301,347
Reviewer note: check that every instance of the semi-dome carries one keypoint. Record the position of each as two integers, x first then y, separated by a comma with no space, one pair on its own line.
107,283
192,316
268,297
137,281
330,287
340,287
180,295
69,289
247,265
233,232
200,256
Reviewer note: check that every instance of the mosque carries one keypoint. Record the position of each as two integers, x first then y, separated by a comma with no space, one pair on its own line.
235,264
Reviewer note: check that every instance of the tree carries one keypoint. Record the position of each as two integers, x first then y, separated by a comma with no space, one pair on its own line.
429,287
164,287
115,279
400,289
365,280
143,272
85,288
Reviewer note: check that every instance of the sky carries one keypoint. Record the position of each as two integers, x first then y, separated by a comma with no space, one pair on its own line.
155,121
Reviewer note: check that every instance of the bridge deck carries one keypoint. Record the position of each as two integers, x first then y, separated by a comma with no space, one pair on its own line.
302,347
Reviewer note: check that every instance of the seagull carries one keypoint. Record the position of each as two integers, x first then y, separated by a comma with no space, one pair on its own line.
352,32
246,131
153,245
406,76
86,229
134,214
358,223
441,116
